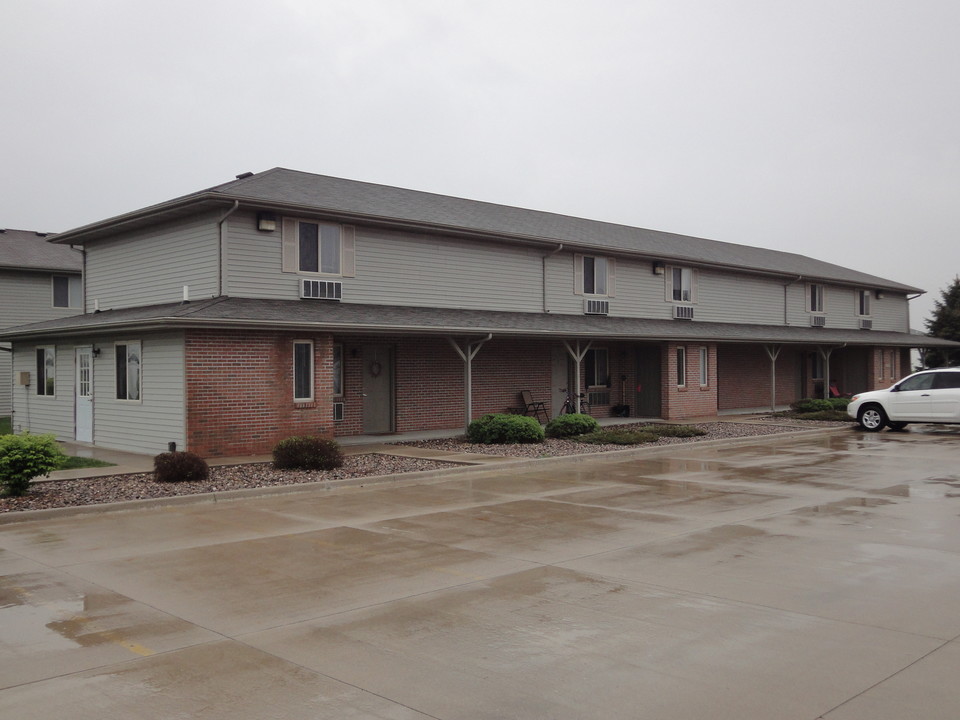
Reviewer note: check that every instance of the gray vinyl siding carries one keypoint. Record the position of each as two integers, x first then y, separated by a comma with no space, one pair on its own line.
25,297
151,266
44,413
144,426
394,268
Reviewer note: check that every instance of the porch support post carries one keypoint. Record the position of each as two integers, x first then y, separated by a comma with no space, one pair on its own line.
825,354
773,352
467,353
578,355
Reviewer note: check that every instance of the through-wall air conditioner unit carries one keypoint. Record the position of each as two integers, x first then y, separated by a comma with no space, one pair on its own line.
320,289
866,324
818,321
596,307
683,312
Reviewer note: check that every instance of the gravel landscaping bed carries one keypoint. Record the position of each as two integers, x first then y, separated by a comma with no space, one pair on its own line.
118,488
142,486
553,447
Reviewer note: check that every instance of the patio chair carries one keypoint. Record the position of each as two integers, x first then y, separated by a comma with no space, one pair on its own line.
533,407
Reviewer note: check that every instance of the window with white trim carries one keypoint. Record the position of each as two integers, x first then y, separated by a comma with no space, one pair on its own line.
594,275
338,370
704,367
303,370
863,303
46,370
67,291
681,367
815,298
128,370
682,284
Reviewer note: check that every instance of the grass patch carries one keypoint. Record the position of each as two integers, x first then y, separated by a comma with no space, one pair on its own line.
6,426
618,437
75,463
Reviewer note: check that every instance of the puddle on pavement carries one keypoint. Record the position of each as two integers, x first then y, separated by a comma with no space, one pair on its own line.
713,539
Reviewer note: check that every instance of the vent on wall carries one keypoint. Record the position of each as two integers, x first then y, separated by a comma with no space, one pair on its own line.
683,312
320,289
866,324
596,307
337,411
818,321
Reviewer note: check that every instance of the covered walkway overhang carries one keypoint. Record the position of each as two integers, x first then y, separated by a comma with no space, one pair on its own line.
466,330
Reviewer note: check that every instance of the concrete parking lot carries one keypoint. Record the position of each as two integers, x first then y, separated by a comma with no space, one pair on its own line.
804,577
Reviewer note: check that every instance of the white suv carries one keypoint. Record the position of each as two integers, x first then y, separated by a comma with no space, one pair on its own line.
930,396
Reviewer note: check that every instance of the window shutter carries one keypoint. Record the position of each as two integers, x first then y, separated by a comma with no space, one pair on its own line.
288,243
668,284
694,286
578,274
611,277
348,234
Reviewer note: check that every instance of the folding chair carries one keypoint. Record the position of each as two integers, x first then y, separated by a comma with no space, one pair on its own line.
532,407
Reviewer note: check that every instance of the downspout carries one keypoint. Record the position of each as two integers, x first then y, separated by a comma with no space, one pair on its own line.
83,273
545,258
223,218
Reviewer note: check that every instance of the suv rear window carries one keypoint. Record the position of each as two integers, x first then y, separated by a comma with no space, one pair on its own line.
947,380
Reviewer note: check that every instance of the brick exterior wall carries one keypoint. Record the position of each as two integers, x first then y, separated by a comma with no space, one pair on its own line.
692,399
745,376
239,389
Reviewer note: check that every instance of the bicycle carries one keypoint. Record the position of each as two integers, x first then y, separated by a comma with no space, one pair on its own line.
570,406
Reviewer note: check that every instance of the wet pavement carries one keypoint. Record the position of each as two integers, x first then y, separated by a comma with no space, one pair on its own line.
806,577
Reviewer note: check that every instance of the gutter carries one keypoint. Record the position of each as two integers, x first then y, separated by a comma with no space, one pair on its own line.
798,279
223,218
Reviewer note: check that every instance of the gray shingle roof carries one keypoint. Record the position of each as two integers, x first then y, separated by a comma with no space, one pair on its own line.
368,202
25,249
297,315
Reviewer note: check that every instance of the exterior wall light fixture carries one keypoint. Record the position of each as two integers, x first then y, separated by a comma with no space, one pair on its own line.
266,222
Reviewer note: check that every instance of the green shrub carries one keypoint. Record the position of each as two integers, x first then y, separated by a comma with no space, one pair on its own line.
498,429
677,431
618,437
570,425
179,467
825,415
839,403
24,457
808,405
307,452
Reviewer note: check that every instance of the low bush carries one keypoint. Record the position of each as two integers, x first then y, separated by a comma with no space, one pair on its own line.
179,467
825,415
24,457
307,452
808,405
618,437
570,425
839,403
677,431
500,429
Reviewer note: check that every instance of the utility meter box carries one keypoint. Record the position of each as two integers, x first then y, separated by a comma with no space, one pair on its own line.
23,378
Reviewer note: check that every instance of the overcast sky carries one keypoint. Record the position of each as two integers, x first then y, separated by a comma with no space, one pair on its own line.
828,128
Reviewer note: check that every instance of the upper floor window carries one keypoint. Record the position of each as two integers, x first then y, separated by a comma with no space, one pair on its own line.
863,302
815,298
46,370
309,246
128,370
681,284
67,291
594,275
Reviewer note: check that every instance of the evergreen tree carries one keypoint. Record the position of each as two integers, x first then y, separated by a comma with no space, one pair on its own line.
945,323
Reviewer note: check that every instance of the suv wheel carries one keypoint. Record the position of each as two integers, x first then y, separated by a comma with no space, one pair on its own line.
872,418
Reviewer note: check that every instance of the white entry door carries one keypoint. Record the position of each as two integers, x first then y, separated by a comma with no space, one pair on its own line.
84,394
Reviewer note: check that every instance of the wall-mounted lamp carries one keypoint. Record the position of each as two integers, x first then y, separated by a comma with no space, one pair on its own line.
659,268
266,222
96,351
879,294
